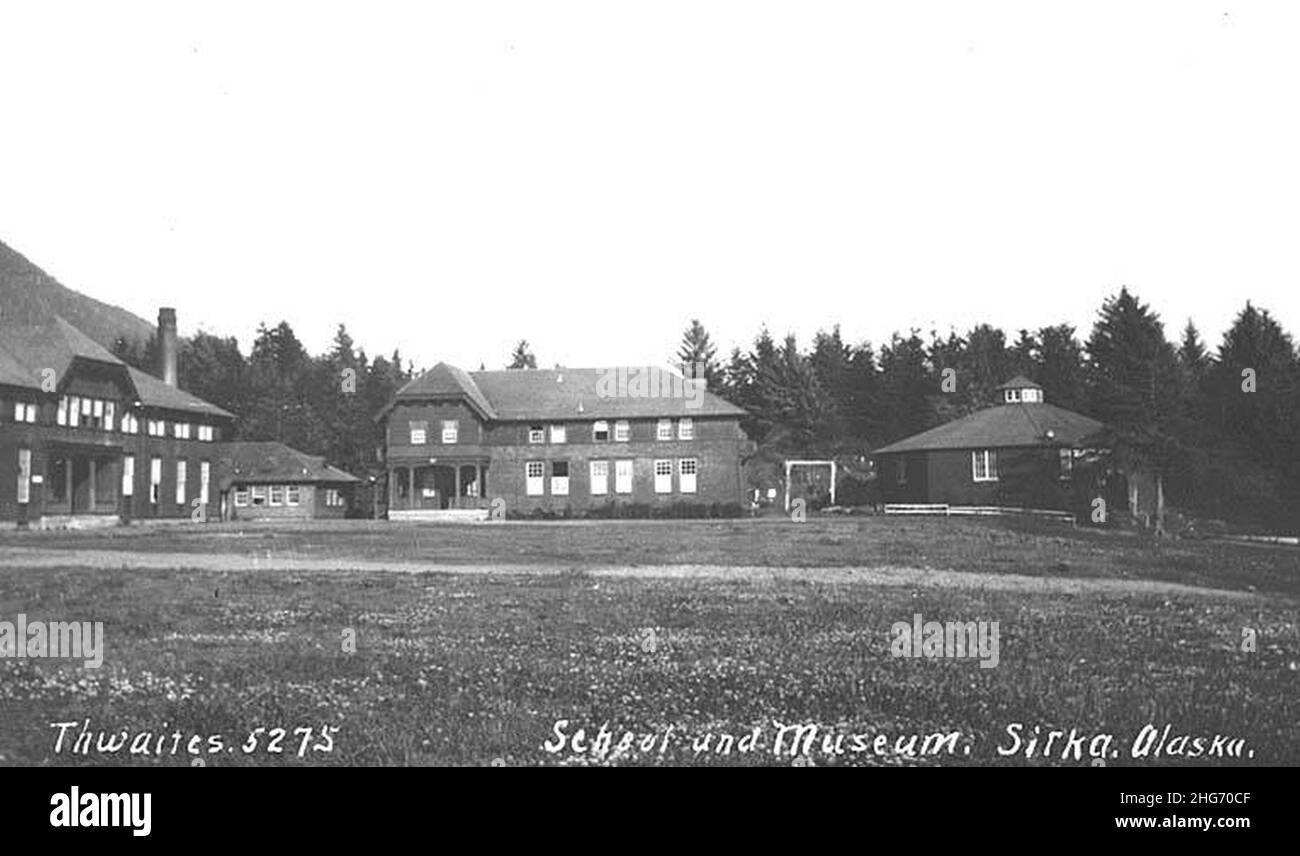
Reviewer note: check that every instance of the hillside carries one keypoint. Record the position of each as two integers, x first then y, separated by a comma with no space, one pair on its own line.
29,294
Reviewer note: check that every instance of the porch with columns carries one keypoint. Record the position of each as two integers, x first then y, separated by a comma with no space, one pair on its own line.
437,486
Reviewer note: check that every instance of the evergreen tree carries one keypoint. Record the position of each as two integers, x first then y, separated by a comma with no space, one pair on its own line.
522,357
698,357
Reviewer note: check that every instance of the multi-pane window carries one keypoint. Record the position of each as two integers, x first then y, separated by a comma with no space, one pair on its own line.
419,433
622,476
450,430
622,431
181,430
74,411
130,424
663,476
155,480
1066,458
205,480
259,494
557,434
182,475
277,495
24,411
241,497
559,478
687,468
536,434
292,495
664,429
24,476
128,475
535,476
599,471
61,412
984,465
685,429
207,433
333,498
157,428
600,431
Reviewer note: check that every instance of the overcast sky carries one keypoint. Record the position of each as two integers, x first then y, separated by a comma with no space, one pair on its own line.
448,178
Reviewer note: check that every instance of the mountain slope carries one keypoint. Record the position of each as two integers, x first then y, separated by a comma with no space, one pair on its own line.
29,295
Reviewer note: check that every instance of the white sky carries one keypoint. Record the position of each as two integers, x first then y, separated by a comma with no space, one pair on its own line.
448,178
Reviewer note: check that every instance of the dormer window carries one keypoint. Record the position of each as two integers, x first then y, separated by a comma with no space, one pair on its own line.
1013,396
1021,390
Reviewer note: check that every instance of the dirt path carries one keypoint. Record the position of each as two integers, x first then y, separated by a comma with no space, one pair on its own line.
23,558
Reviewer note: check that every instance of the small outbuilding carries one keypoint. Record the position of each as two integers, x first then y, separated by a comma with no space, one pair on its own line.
272,481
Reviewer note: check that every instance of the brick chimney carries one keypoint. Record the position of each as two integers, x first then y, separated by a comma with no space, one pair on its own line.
167,345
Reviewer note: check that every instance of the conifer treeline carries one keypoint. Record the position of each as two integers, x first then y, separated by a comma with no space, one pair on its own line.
1221,427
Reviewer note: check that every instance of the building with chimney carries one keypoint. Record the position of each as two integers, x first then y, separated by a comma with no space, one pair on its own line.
86,439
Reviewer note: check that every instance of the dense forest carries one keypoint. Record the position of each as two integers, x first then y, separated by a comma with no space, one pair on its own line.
1221,426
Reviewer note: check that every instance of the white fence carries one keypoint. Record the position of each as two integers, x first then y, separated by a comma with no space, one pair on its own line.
938,509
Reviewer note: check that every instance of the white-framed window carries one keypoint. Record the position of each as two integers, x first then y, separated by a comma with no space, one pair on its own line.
241,497
559,478
74,411
536,434
419,433
333,499
87,408
1066,459
664,429
623,476
663,476
292,495
1012,396
277,495
558,434
1032,396
687,469
259,494
130,424
600,431
685,428
181,430
599,472
110,416
155,480
61,414
205,481
984,465
535,477
207,433
24,494
182,476
97,413
128,475
157,428
450,430
622,431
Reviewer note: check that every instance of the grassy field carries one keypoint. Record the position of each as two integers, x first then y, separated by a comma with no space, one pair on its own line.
471,665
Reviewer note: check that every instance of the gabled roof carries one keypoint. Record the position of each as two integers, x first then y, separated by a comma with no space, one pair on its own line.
1003,426
447,380
152,392
273,462
27,349
52,344
565,393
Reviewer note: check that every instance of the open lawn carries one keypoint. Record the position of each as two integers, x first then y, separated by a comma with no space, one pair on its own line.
668,630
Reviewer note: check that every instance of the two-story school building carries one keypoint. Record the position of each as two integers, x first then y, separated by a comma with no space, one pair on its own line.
85,437
558,440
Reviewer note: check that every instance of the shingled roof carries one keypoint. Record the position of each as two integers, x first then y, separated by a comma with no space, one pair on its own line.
26,350
565,393
273,462
1003,426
